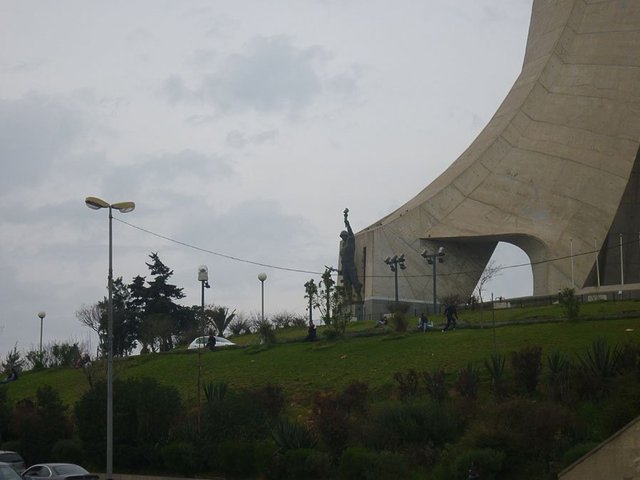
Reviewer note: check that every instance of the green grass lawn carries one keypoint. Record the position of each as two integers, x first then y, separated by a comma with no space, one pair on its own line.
368,354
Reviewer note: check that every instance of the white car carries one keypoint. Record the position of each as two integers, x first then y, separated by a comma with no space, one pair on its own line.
201,342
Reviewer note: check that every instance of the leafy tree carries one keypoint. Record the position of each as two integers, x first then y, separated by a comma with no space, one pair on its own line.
92,316
571,303
144,413
219,318
311,290
325,296
152,308
13,360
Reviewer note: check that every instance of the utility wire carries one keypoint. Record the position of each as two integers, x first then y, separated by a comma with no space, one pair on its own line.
229,257
298,270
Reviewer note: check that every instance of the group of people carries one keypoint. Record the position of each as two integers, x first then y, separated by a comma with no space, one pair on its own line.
452,318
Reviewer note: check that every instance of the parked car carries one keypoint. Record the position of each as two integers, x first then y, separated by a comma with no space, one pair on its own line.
201,342
7,472
13,459
57,471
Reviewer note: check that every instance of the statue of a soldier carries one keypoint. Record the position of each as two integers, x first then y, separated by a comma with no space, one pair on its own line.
348,261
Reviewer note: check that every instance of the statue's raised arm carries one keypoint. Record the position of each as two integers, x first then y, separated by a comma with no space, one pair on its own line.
346,222
347,259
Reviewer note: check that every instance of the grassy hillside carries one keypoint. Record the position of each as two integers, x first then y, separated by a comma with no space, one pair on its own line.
369,354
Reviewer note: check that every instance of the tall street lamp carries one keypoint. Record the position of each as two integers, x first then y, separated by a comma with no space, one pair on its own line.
434,259
262,277
394,263
41,315
123,207
203,278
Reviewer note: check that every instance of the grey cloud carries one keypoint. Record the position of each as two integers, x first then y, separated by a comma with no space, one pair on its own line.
34,133
238,139
271,75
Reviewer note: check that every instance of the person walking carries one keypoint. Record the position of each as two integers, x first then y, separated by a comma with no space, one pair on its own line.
452,317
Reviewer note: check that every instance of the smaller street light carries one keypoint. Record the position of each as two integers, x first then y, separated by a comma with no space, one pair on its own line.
434,259
394,263
41,315
262,277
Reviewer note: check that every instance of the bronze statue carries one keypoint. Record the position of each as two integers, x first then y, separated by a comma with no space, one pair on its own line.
348,261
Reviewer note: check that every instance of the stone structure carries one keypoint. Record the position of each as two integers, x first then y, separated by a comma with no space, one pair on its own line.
555,172
617,458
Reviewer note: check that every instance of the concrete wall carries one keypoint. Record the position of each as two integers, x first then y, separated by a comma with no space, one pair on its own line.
618,458
555,171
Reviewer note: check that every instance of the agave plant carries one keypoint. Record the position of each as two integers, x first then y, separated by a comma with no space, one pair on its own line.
215,392
495,366
600,360
291,436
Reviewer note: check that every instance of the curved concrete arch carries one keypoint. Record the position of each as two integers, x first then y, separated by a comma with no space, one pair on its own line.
555,171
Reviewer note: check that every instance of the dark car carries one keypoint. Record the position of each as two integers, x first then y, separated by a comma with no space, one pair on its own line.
13,459
57,471
7,472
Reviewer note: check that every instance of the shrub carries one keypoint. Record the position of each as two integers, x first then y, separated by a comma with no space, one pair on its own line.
179,458
436,384
526,365
559,368
599,364
291,436
487,462
495,366
468,382
331,421
399,318
407,384
240,325
237,458
354,397
215,392
570,303
265,332
418,422
68,450
271,398
306,463
359,463
577,451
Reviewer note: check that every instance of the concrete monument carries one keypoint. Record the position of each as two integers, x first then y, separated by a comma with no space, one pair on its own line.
555,171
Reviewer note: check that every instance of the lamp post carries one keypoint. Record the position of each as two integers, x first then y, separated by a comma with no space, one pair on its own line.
123,207
395,262
433,259
262,277
41,315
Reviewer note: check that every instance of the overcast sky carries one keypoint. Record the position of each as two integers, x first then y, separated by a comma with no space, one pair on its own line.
239,127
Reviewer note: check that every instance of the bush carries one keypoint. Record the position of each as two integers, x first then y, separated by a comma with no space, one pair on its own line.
306,463
495,366
293,436
487,462
407,384
570,303
265,332
270,397
354,397
69,450
180,458
526,365
359,463
331,421
436,385
237,458
559,369
419,422
468,382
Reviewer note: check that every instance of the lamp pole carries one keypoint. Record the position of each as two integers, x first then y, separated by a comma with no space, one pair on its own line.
95,203
41,315
394,263
433,259
262,277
